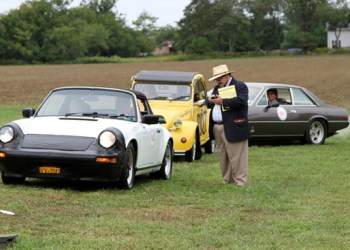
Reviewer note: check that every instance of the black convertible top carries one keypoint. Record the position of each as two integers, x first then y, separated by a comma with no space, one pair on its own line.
165,76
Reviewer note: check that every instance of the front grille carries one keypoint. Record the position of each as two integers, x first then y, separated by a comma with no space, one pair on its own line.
57,142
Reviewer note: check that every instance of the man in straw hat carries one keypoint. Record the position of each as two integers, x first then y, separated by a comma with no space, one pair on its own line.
229,124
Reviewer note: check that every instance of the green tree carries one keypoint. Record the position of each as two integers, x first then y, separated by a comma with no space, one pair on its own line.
300,19
64,44
266,23
95,37
199,45
28,28
222,22
232,26
48,31
197,22
298,39
147,32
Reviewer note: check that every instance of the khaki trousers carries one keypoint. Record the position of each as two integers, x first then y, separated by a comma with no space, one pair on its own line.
233,157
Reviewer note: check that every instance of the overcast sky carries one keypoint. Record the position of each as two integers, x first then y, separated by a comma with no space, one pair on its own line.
167,11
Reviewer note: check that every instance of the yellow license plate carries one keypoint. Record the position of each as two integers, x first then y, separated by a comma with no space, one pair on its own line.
49,170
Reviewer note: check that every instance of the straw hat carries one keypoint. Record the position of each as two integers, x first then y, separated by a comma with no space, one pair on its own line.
220,71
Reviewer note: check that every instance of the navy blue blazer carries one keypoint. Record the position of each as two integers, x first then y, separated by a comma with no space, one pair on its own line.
235,118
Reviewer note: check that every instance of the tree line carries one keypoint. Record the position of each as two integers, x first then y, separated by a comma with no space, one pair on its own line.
49,31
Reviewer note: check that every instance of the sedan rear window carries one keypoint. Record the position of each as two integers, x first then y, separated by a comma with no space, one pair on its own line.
300,98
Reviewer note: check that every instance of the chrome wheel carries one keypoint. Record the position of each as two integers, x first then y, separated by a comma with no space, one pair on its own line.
316,132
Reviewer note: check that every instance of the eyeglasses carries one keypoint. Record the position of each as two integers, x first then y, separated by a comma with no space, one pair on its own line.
219,78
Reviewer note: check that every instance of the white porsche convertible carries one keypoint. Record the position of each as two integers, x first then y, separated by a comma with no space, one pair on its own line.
88,134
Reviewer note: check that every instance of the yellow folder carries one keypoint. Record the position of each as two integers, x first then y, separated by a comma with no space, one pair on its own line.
227,92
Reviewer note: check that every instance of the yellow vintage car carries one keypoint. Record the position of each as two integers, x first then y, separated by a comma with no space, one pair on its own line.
179,97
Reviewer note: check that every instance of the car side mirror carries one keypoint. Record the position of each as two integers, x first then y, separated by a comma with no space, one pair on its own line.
28,112
161,119
153,119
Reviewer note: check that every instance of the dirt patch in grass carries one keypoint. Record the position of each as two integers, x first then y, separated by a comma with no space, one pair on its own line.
326,76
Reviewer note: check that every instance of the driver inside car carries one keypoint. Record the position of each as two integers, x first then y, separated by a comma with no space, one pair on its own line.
272,95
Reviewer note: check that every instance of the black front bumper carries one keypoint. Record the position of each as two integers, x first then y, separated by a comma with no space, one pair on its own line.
71,165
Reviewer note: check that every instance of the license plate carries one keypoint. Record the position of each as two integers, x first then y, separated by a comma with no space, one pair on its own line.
49,170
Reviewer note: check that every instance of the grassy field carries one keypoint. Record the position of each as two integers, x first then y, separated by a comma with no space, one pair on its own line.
297,196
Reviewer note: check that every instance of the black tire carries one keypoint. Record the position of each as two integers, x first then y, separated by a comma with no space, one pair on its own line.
316,132
198,150
7,180
127,177
190,155
166,170
209,146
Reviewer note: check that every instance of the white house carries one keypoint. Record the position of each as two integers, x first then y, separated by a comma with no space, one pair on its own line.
343,40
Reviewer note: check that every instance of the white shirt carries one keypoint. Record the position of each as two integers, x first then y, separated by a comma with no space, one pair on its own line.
217,115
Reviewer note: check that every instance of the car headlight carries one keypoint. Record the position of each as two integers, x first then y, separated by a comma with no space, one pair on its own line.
107,139
177,123
6,134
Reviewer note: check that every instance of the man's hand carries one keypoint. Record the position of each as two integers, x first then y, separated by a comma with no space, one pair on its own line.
216,99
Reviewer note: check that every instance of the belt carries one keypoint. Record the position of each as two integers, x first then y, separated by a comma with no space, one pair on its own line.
218,123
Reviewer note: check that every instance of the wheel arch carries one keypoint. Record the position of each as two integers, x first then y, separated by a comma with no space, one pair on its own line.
134,143
320,118
191,128
314,135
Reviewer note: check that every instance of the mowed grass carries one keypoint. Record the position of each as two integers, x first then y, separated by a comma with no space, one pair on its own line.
297,196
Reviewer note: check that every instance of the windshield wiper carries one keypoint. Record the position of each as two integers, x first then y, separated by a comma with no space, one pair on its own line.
159,98
90,114
181,97
122,116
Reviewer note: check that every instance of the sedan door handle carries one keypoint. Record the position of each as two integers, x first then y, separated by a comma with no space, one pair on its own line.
293,111
158,130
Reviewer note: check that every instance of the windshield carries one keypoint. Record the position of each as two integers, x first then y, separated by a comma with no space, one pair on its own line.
161,91
89,102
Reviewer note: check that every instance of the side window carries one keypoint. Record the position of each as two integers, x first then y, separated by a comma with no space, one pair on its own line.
300,98
141,105
253,93
199,92
282,95
263,100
